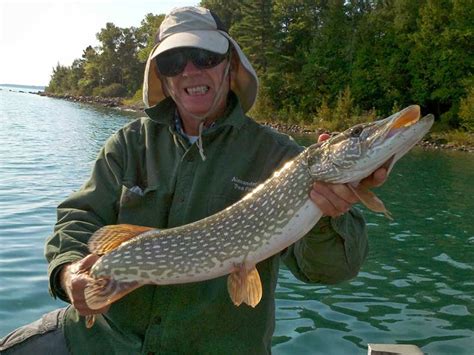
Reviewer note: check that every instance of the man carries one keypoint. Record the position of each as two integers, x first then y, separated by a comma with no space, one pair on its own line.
194,155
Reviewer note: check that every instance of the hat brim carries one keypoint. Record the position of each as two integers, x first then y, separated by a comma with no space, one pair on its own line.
209,40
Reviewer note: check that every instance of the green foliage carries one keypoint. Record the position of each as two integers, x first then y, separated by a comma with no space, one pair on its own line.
455,138
466,111
136,100
146,35
342,115
254,32
112,90
343,110
229,11
320,62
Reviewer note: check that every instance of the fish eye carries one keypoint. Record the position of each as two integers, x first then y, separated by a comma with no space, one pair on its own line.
356,131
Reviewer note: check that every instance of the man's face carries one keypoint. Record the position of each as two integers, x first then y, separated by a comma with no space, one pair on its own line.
195,89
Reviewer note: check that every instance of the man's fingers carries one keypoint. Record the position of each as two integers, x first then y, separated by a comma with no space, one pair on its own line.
87,262
380,176
324,204
338,194
345,193
328,200
323,136
377,178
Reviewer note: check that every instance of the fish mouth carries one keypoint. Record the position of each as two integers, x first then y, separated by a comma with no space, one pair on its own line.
406,118
392,126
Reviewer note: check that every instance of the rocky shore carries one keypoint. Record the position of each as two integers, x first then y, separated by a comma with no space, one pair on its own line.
441,144
116,102
104,101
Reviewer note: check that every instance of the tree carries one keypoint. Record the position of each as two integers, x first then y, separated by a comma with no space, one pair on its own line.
109,70
326,71
59,82
146,35
295,23
90,77
228,11
254,32
440,57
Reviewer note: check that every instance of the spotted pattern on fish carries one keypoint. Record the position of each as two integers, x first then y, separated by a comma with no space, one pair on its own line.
215,243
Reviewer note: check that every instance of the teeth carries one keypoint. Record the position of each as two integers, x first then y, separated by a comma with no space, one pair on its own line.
197,90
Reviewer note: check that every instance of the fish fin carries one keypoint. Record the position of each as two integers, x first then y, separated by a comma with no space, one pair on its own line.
110,237
101,292
370,200
245,286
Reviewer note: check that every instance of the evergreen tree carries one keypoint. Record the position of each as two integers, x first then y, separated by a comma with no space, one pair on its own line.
254,32
326,71
442,56
229,11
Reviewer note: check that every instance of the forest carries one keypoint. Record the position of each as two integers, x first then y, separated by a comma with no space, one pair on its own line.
325,63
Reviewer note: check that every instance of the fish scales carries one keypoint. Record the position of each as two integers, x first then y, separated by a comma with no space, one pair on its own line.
213,245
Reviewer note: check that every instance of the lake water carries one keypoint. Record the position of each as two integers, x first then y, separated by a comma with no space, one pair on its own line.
417,286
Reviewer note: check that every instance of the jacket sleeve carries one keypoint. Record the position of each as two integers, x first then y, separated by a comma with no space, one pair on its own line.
333,251
85,211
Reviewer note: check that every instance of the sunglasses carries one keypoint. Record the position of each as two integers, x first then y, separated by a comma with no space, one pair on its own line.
173,62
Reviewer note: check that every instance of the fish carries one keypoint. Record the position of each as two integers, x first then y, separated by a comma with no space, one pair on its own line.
271,217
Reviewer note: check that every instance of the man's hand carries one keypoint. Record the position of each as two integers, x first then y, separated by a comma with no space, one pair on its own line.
336,199
73,278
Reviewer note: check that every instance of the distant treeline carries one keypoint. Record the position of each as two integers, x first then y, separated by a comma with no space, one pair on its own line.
318,61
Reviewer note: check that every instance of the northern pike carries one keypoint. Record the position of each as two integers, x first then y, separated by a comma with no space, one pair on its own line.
264,222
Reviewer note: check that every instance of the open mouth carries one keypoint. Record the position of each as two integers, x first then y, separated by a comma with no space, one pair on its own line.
407,118
197,90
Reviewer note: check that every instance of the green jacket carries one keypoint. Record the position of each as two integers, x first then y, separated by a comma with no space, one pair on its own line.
148,174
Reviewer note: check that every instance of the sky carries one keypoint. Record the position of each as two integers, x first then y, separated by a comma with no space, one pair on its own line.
37,35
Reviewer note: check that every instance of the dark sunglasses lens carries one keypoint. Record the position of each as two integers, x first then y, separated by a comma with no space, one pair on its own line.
204,59
171,63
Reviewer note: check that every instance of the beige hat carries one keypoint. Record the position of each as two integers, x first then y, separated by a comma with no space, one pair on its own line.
200,28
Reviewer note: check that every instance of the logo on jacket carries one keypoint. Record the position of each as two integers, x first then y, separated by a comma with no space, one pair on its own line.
243,185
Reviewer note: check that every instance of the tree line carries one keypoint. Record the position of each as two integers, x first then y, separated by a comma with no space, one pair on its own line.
322,62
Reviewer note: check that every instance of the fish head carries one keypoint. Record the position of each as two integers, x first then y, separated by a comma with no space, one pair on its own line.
360,150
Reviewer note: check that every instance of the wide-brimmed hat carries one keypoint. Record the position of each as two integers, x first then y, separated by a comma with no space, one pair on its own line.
200,28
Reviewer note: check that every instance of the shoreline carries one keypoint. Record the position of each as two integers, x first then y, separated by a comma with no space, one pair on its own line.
117,103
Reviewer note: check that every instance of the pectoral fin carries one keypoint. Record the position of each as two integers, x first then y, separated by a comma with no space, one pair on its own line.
102,292
245,286
370,200
110,237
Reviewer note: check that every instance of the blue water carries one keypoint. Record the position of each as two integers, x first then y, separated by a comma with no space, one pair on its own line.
416,287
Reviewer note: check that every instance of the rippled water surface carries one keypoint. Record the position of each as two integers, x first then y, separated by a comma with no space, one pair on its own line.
416,287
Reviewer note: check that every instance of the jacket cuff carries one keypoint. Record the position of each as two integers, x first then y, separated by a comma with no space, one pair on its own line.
352,229
54,269
333,251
